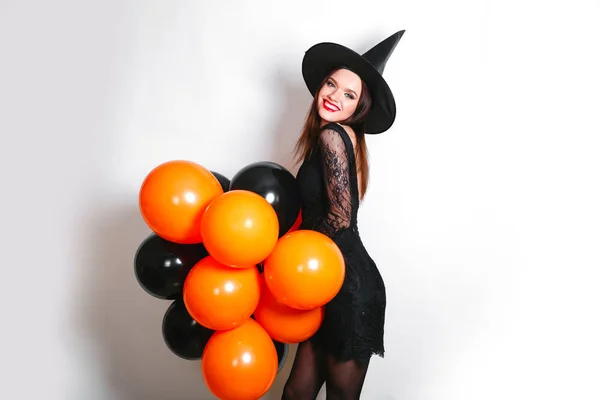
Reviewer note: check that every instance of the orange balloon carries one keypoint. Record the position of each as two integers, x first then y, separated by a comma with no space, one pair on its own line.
283,323
240,228
219,297
173,198
240,363
305,270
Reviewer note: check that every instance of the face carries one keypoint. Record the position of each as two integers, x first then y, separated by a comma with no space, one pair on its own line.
338,98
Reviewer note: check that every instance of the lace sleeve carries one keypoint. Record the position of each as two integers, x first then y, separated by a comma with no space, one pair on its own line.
336,174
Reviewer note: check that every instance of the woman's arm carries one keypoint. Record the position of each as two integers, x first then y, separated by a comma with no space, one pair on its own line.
336,174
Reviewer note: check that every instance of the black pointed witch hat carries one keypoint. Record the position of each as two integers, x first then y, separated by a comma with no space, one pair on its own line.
321,59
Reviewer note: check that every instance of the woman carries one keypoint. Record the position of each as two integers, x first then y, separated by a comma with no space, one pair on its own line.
351,99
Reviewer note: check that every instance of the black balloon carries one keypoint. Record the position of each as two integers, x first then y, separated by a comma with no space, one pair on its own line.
260,267
274,183
184,336
162,266
282,353
222,180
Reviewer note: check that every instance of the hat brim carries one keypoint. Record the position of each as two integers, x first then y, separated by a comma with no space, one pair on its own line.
321,59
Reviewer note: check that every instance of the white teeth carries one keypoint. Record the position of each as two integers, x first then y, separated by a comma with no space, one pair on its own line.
332,106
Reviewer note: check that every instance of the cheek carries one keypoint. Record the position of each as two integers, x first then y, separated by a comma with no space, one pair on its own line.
324,91
350,107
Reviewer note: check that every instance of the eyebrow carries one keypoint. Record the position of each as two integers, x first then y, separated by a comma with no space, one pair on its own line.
349,90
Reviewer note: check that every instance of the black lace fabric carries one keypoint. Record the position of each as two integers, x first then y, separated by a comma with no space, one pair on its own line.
353,326
336,174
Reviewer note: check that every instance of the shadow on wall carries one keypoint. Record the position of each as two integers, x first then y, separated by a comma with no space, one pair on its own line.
287,128
125,322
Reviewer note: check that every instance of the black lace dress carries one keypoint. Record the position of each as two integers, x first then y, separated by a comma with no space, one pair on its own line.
354,320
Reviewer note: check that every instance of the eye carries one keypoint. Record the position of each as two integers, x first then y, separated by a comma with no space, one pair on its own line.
330,84
348,95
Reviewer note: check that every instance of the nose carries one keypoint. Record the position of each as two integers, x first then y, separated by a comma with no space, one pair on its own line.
333,96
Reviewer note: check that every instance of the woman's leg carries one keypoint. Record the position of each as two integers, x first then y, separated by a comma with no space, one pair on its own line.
307,375
345,379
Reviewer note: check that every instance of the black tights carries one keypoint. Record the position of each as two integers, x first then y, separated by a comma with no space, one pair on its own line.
343,379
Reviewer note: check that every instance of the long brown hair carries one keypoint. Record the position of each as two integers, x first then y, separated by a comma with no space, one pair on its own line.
308,140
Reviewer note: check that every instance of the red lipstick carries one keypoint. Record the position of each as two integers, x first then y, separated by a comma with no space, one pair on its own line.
329,106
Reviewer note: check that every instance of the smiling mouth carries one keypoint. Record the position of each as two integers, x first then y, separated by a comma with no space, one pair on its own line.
329,106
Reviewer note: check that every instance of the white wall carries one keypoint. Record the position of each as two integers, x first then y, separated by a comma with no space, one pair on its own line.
483,214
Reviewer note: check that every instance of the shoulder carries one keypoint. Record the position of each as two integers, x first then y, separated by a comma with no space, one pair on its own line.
338,134
335,131
331,137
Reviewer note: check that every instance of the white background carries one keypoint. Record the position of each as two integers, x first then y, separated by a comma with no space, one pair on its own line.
483,213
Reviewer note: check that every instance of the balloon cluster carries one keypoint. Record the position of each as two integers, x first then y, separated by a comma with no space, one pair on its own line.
244,281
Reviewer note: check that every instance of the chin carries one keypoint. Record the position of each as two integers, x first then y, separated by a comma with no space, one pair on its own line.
328,116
